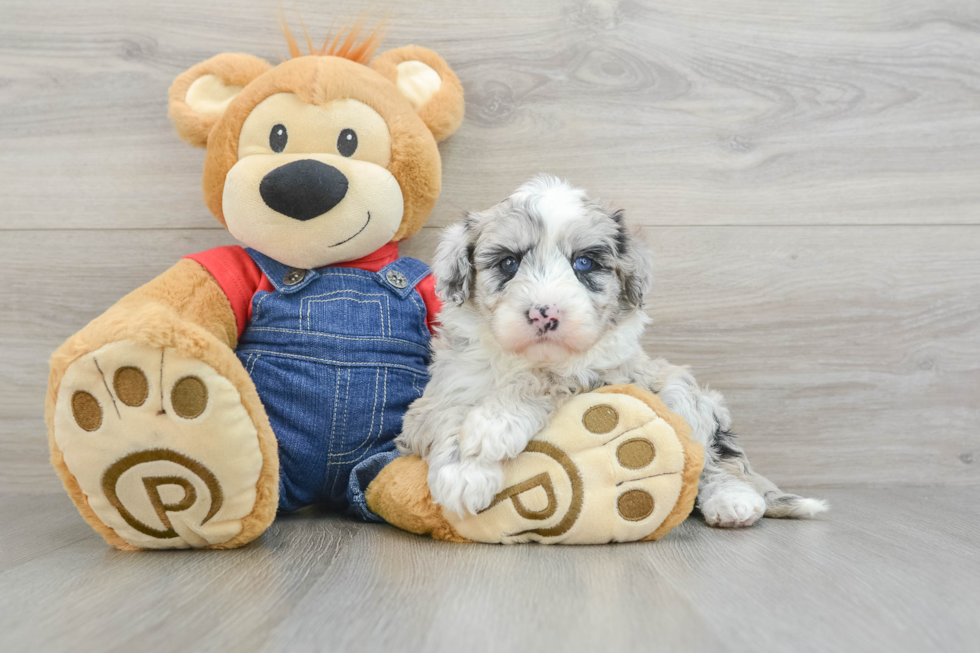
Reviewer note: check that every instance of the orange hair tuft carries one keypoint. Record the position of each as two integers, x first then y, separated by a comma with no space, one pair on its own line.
346,47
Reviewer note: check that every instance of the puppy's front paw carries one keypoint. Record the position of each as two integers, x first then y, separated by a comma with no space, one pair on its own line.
466,486
492,435
734,508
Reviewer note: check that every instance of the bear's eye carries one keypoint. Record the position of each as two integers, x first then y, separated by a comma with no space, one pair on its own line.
278,138
347,142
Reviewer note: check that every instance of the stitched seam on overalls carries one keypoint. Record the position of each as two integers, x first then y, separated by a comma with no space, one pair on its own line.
365,277
306,301
374,414
334,441
258,305
422,314
415,300
381,309
346,290
333,362
350,373
336,399
355,338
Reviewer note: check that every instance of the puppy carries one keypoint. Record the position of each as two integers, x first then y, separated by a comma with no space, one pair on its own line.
544,300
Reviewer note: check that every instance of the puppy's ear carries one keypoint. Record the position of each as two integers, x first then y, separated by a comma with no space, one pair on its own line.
453,264
428,82
200,95
636,264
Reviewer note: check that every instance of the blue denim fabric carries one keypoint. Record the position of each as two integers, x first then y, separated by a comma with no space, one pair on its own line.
337,357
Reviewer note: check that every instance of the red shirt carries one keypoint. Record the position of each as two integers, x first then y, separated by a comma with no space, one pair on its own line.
240,278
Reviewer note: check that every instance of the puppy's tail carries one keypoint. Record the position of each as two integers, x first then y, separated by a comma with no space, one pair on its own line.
791,506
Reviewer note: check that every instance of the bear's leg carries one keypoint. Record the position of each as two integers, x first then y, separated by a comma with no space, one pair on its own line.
612,466
156,429
161,449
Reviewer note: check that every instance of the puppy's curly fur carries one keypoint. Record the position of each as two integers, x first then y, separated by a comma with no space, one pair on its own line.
544,300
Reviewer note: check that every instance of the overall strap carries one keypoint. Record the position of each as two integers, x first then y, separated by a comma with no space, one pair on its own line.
401,275
285,279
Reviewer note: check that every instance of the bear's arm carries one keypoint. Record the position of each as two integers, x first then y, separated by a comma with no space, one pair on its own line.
239,278
191,292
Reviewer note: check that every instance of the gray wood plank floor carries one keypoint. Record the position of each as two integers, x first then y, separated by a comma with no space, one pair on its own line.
887,570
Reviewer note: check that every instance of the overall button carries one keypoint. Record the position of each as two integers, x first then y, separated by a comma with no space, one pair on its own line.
396,278
294,276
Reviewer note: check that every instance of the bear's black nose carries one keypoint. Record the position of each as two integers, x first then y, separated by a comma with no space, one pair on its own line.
303,189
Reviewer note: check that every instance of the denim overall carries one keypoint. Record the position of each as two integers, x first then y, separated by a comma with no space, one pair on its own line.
337,355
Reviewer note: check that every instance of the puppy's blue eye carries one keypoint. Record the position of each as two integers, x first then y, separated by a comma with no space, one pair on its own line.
582,264
509,265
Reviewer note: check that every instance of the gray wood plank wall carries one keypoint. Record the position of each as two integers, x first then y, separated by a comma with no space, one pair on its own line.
807,173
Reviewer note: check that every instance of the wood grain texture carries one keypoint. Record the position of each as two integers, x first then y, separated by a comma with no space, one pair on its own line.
688,112
847,354
889,569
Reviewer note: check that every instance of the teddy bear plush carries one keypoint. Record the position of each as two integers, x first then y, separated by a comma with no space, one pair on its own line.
245,381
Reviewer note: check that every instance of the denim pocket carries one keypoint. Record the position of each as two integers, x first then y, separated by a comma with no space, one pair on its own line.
347,313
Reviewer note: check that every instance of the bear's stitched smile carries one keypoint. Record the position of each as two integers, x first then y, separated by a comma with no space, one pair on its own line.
357,234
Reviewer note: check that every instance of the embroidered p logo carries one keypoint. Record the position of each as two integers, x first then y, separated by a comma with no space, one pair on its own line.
152,486
543,481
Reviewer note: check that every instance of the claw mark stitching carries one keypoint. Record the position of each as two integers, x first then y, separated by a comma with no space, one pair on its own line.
163,407
643,478
106,384
635,428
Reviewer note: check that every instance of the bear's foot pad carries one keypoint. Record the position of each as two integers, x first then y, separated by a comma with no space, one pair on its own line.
607,468
161,446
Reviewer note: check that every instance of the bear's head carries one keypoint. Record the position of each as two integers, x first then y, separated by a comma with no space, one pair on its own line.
323,158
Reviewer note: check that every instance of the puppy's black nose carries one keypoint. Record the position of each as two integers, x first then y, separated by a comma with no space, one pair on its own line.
303,189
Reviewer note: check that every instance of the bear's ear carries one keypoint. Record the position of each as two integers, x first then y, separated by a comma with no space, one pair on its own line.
200,95
428,83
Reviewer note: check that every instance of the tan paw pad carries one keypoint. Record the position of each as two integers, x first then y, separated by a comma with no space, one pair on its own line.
606,469
161,446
